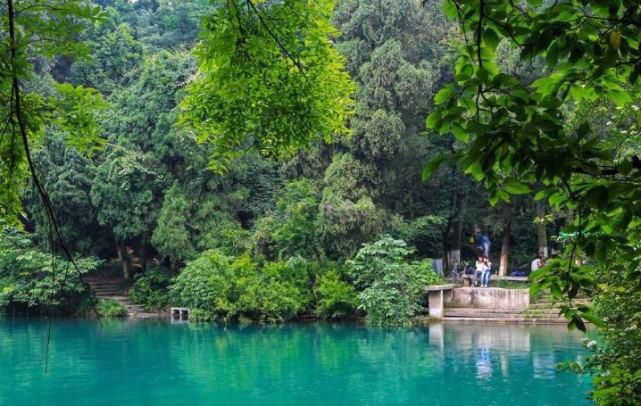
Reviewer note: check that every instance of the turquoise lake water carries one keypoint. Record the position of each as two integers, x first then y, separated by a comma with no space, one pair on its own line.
158,363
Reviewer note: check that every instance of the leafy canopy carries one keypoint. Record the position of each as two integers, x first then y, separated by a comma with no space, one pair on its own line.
269,79
34,31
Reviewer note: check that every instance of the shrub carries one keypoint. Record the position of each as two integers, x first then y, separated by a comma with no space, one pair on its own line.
200,316
284,291
31,280
392,287
336,298
111,308
202,282
228,289
151,289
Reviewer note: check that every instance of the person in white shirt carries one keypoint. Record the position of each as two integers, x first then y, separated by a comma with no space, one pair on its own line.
487,270
536,263
480,268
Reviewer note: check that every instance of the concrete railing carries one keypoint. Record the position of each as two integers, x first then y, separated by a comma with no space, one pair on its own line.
436,297
488,298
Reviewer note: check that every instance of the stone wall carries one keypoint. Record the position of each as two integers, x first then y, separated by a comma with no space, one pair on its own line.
488,298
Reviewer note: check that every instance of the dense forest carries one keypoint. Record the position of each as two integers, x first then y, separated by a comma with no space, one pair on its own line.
153,197
260,161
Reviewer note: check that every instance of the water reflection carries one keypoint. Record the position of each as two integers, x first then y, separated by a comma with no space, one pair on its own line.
497,348
155,362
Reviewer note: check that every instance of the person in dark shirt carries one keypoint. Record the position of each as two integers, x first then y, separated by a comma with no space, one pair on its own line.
485,244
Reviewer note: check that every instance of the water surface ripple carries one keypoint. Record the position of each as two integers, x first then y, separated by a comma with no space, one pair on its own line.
158,363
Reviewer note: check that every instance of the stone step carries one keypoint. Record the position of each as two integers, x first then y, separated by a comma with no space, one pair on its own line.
554,305
102,281
113,292
520,320
144,315
99,281
105,288
549,317
308,317
114,286
550,313
116,297
482,313
542,305
101,288
472,310
550,299
488,319
121,299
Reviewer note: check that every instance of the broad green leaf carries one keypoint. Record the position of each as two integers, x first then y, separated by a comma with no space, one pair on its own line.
476,171
515,187
444,95
459,132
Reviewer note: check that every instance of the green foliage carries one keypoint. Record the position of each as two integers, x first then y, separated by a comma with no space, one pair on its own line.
543,134
269,79
32,281
348,215
221,231
151,289
391,286
397,53
336,298
116,56
615,362
200,316
111,308
297,209
292,228
421,231
67,176
158,24
201,282
226,289
78,110
144,112
149,190
171,237
29,37
125,192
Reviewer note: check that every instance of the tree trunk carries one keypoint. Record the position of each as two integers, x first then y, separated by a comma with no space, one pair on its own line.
118,251
123,257
505,245
143,255
541,232
446,238
457,231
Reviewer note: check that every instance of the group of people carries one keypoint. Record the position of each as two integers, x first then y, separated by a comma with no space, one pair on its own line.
482,271
483,268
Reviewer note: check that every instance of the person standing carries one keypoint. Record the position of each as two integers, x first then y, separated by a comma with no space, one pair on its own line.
478,272
487,271
485,244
